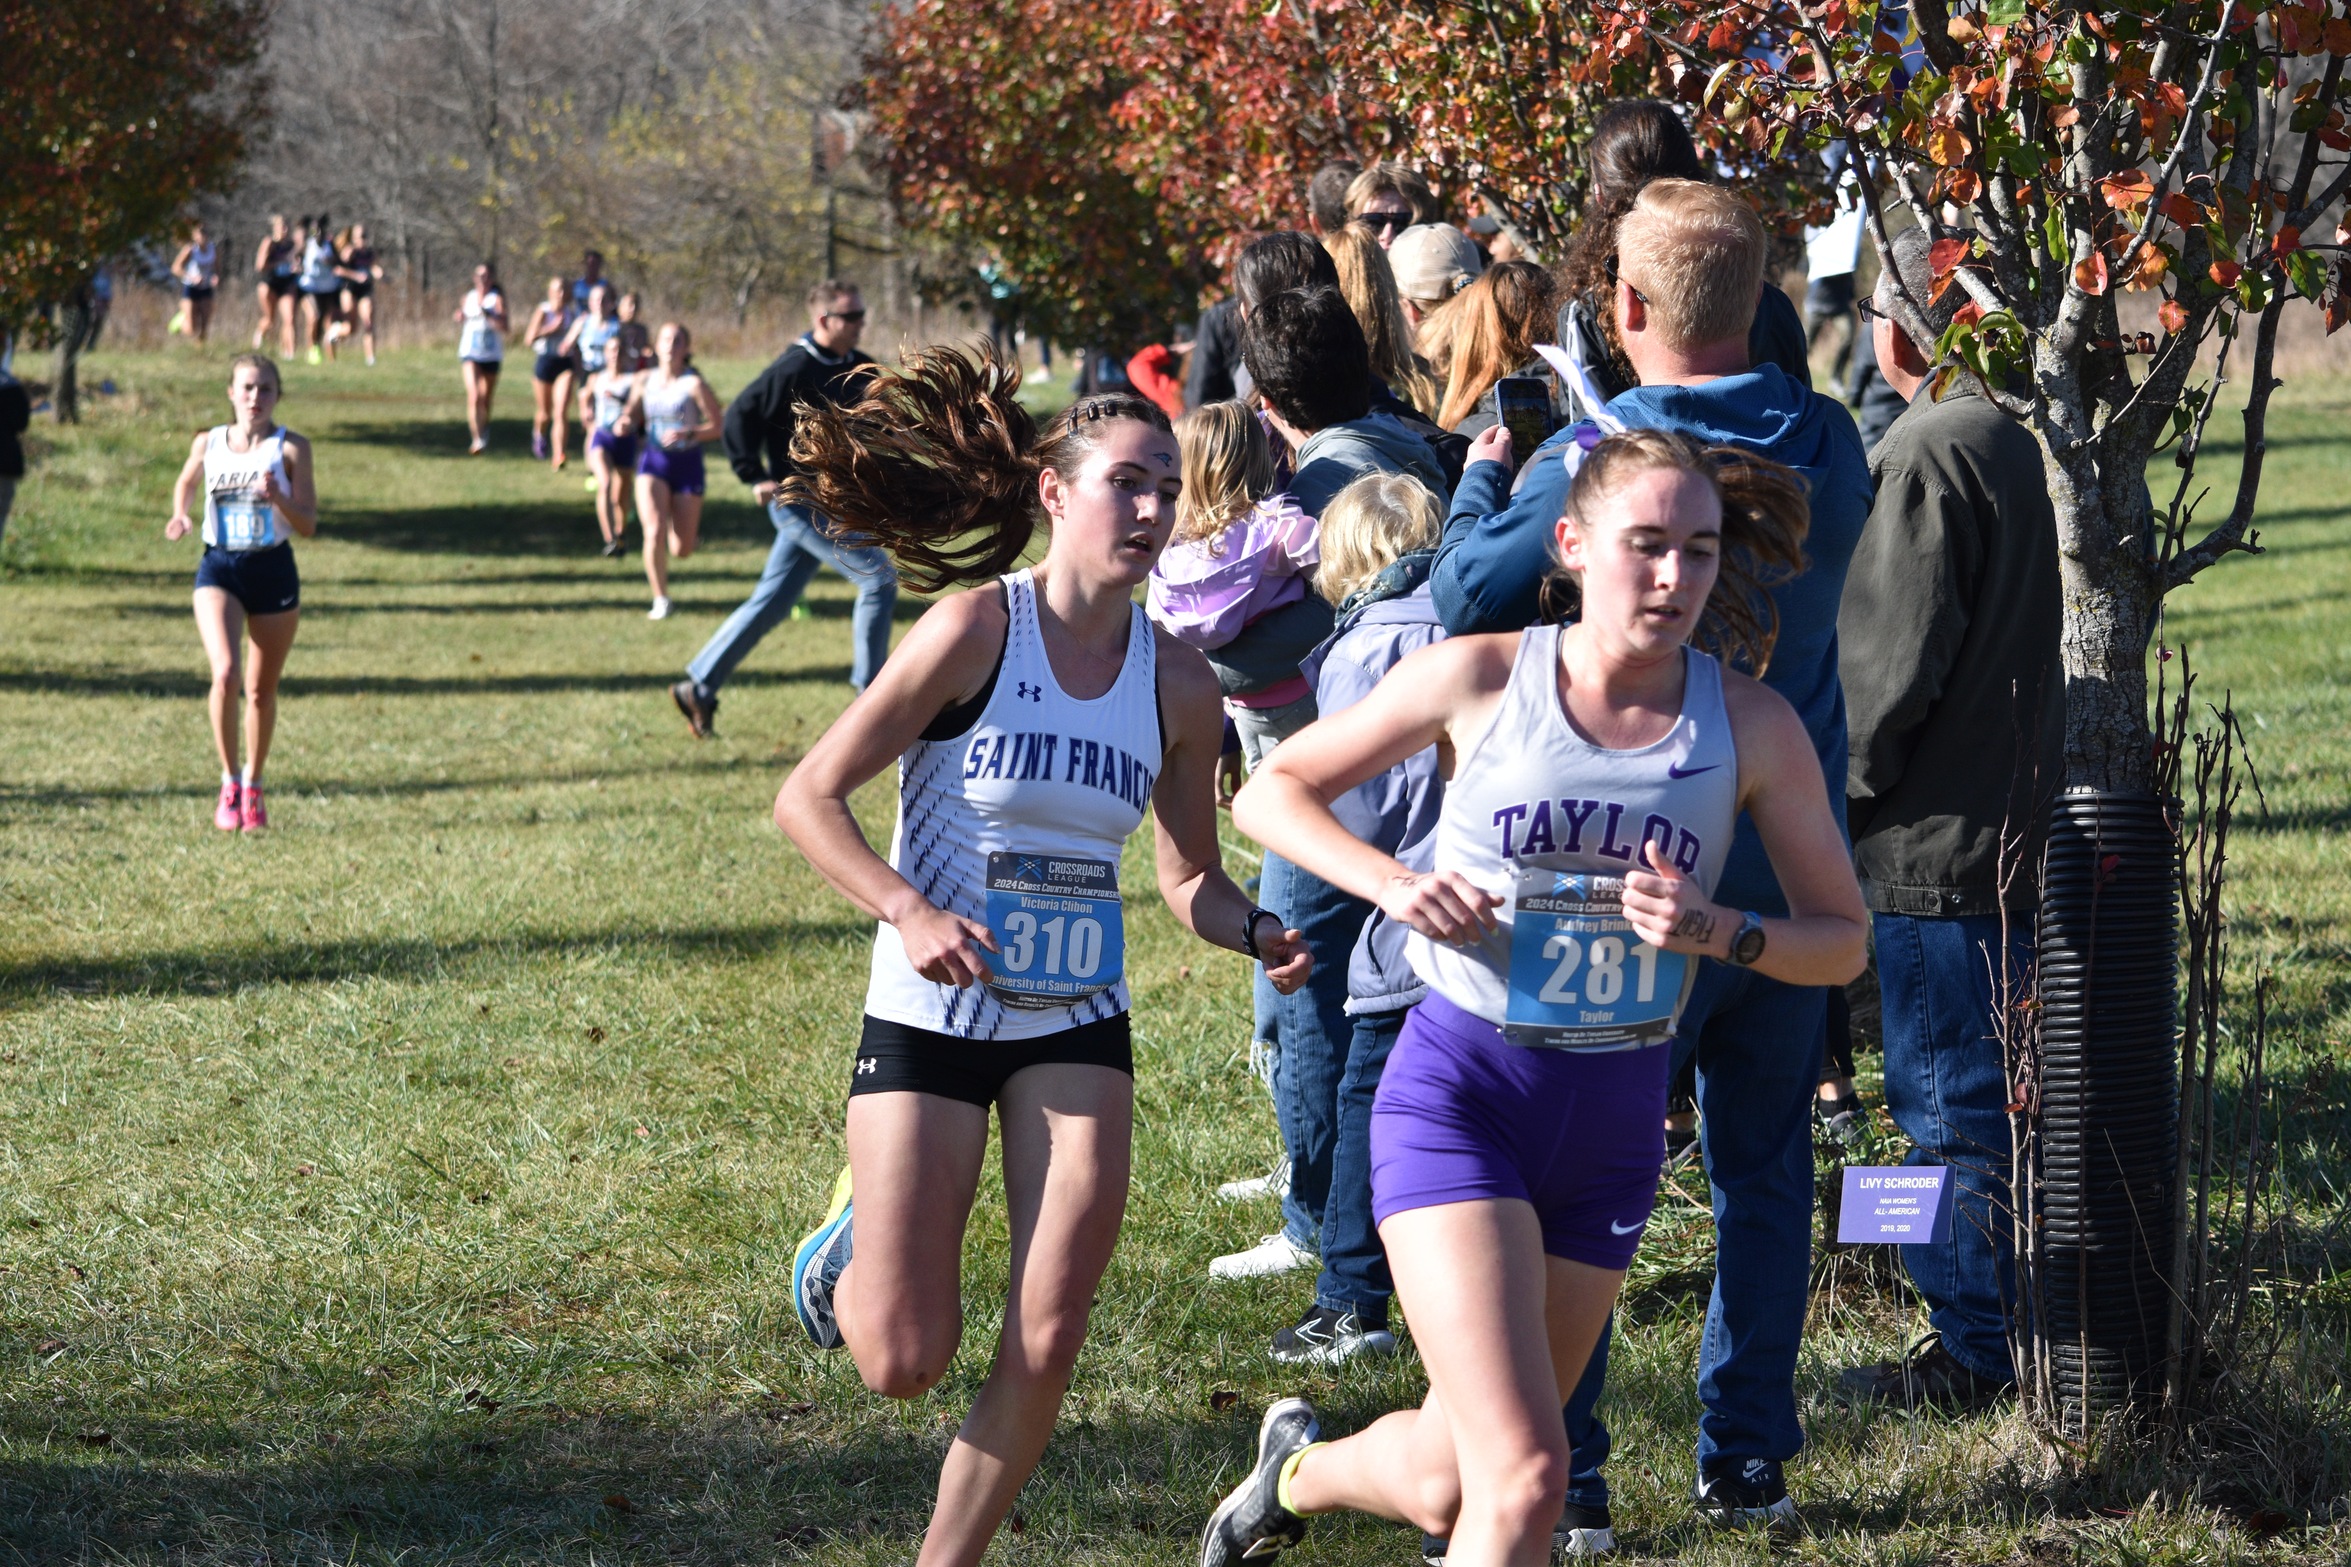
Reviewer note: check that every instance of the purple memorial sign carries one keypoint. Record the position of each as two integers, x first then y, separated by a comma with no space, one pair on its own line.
1904,1204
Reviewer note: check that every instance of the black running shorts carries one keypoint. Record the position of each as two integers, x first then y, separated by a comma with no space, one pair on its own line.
897,1058
263,581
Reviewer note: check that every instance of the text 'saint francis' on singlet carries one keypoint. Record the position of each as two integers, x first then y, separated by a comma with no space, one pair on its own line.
1018,823
1551,823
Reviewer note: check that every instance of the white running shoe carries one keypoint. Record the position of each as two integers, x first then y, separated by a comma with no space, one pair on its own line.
1277,1253
1273,1183
660,609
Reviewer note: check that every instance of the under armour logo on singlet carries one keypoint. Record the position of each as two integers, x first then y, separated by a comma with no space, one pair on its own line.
1033,693
865,1065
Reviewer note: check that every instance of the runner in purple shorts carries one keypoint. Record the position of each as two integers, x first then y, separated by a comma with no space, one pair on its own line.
1596,771
678,412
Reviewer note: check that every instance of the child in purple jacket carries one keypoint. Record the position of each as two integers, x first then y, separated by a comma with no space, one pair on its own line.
1234,581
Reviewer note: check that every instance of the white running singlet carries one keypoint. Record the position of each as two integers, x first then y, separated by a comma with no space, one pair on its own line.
670,406
478,339
1018,823
235,515
1551,822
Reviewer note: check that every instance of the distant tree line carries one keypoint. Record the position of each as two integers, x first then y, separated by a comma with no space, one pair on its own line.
696,143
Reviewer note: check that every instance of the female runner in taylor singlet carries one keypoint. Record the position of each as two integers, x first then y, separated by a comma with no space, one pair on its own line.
1596,771
1033,721
481,350
258,490
678,412
548,333
612,441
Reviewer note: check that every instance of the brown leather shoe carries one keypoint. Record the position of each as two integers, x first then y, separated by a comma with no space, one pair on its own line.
1929,1376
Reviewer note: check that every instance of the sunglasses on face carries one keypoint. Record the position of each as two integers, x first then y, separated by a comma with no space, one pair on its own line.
1869,311
851,316
1610,268
1384,220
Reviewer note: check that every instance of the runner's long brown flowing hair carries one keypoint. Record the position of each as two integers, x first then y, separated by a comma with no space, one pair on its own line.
1765,515
937,462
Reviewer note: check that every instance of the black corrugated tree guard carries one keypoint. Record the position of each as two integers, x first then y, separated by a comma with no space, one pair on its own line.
2062,158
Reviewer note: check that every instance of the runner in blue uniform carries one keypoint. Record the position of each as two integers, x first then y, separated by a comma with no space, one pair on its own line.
1033,721
1597,770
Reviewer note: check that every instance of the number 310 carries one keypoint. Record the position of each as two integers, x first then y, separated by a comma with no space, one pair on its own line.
1085,944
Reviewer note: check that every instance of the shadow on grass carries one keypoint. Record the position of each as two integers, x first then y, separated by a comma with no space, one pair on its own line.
520,528
319,608
74,799
214,971
563,1486
193,684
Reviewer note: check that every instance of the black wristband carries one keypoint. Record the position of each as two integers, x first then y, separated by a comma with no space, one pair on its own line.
1249,930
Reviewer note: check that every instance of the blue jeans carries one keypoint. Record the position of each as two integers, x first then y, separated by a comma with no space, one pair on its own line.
800,548
1758,1047
1947,1088
1313,1033
1354,1263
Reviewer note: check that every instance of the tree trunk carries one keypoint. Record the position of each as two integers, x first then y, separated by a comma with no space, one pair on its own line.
73,330
2111,595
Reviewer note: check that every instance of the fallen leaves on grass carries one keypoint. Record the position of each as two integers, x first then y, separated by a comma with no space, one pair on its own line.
619,1503
1223,1399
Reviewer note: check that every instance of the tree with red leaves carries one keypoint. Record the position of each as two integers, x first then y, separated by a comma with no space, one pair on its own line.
120,113
2061,158
1105,157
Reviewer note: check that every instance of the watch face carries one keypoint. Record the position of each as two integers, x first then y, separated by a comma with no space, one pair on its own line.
1747,946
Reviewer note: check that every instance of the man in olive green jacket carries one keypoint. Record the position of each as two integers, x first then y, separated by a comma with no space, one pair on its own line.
1953,697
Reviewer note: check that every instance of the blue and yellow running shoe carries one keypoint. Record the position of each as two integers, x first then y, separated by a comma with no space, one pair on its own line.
817,1265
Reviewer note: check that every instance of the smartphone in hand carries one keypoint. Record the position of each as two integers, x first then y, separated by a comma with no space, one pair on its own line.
1524,402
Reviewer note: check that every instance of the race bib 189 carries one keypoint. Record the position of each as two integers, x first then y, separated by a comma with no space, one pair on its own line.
1580,979
244,522
1059,927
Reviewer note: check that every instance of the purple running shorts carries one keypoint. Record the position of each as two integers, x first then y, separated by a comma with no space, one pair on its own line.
679,467
1463,1114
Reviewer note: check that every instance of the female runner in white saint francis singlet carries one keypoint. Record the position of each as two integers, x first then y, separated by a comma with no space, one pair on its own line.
1515,1136
253,482
1034,721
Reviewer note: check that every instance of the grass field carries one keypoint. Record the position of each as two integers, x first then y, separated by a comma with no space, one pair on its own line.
416,1183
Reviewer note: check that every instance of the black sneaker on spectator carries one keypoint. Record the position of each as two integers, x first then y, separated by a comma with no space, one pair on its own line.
1929,1376
1747,1493
1581,1532
1324,1337
1842,1118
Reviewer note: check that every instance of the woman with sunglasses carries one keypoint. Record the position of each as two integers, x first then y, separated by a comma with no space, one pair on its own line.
1033,721
1389,198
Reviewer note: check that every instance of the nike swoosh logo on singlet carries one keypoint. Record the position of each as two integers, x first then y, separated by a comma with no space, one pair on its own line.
1615,1228
1672,771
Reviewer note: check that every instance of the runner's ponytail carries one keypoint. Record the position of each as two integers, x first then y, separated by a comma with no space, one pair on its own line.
1765,516
937,462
